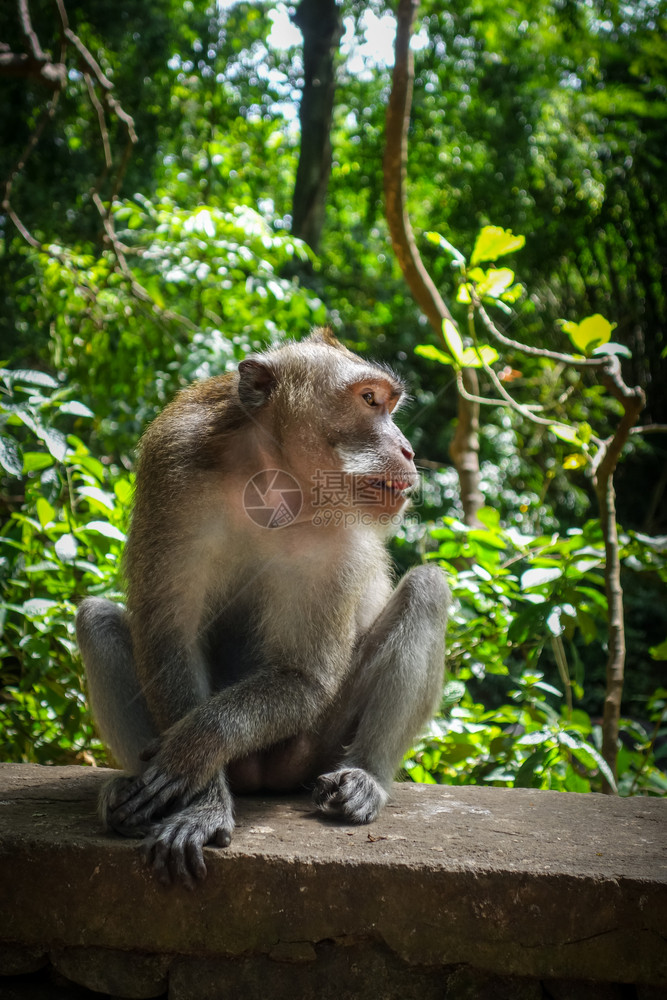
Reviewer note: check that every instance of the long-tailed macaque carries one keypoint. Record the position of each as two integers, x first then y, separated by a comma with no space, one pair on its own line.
263,648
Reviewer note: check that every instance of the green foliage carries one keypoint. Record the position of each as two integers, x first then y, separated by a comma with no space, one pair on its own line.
62,538
512,711
202,288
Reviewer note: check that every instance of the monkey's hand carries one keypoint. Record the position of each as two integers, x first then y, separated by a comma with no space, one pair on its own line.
352,794
175,848
112,793
171,780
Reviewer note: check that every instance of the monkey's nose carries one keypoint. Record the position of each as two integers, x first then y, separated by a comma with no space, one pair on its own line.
407,453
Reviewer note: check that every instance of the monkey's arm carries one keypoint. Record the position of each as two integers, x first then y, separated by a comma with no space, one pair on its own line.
255,713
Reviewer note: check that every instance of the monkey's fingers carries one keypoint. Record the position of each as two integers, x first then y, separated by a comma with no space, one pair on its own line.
146,796
351,793
175,855
176,850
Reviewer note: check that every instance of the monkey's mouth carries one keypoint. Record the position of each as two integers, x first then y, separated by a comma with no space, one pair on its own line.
393,487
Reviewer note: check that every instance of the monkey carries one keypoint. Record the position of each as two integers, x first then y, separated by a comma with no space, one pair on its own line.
263,646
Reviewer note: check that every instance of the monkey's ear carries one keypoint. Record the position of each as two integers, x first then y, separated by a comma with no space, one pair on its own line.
256,381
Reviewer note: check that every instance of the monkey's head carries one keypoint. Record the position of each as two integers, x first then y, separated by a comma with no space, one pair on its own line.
329,413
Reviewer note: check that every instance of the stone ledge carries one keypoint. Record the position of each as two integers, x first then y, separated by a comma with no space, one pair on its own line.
511,883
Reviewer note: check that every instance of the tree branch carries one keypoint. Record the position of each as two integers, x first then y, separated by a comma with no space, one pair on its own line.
632,400
395,168
534,352
464,448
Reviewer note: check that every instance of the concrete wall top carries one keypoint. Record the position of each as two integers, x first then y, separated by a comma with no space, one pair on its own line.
518,882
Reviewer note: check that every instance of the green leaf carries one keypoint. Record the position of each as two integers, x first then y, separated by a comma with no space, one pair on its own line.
123,491
106,529
66,548
99,497
494,242
452,694
478,357
37,607
495,282
590,333
527,775
612,348
35,461
45,512
537,577
25,377
566,433
659,652
10,459
453,340
75,408
445,245
433,354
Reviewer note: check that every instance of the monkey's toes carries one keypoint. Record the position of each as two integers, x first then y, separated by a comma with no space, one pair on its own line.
352,794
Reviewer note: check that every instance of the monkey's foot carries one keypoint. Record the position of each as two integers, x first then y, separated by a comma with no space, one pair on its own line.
175,848
352,793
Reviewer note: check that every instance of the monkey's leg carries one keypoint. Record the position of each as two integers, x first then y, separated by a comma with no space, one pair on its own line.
120,710
118,705
394,688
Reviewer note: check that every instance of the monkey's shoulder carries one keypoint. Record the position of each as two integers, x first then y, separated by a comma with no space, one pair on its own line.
189,431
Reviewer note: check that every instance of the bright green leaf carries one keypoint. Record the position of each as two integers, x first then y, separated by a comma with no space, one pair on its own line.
494,242
25,377
45,511
590,333
35,461
478,357
565,432
537,577
575,461
659,652
495,282
75,408
106,529
99,497
433,354
37,607
445,245
452,339
612,348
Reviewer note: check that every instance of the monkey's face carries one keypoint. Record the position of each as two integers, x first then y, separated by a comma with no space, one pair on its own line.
370,449
326,415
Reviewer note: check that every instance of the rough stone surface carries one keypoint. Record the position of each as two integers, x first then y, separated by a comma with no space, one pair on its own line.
511,883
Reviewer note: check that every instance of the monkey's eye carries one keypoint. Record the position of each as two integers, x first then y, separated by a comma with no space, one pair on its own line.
369,397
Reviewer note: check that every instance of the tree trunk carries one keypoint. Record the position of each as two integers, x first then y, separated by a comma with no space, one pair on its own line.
321,26
464,449
632,401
